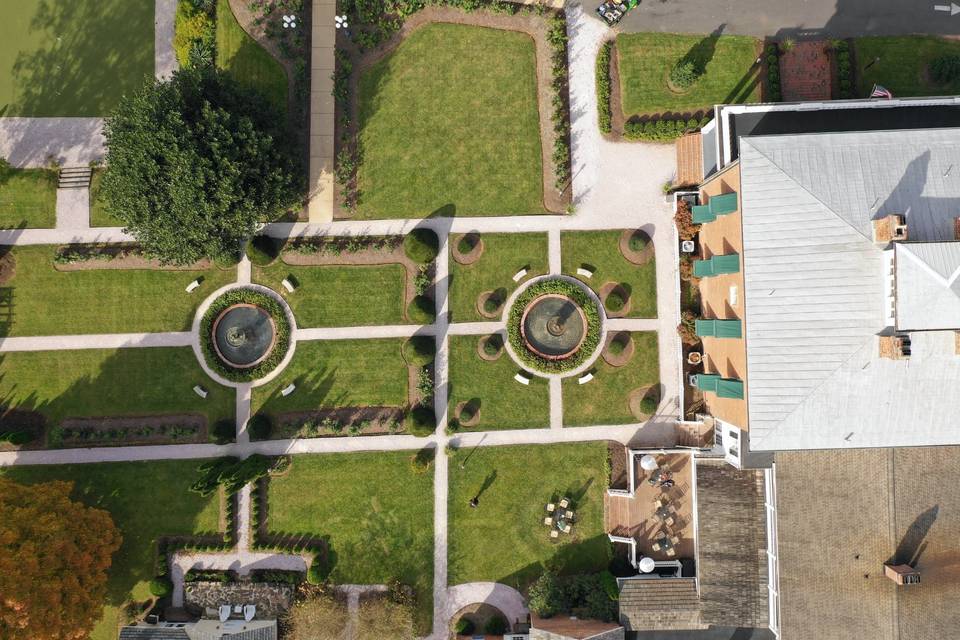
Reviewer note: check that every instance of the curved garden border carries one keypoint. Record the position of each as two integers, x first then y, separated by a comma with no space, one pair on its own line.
285,338
589,347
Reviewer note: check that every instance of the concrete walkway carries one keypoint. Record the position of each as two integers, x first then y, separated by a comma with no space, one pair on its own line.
30,142
73,208
164,17
320,187
556,403
102,235
353,593
96,341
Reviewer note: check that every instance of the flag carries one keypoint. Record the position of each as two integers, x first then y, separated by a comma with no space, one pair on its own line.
880,92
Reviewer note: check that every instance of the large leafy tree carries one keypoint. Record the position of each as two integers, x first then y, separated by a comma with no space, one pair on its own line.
54,556
194,163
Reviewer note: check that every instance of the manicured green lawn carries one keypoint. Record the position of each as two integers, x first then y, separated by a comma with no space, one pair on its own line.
343,296
110,382
504,538
338,373
28,198
69,58
604,400
504,254
601,250
146,500
504,403
646,59
449,126
249,63
40,300
98,210
376,511
903,64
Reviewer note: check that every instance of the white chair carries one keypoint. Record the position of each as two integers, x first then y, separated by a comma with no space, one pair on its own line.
671,552
655,546
554,533
586,273
519,275
569,514
548,521
200,391
564,503
224,612
585,378
193,286
551,507
521,379
288,285
249,611
288,390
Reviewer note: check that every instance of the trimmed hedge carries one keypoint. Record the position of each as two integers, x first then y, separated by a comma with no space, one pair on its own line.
223,431
263,250
560,115
280,347
260,426
774,93
421,245
580,297
661,130
841,49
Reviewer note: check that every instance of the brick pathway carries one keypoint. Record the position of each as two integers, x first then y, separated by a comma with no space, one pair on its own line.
805,72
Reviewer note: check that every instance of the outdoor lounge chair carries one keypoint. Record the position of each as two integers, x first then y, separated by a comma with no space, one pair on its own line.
566,529
224,612
249,611
669,521
569,514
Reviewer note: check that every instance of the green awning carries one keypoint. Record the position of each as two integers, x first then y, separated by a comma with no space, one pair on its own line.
716,265
703,268
718,329
707,381
702,214
723,204
728,388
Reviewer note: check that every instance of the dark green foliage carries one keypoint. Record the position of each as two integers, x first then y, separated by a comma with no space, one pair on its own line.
614,301
586,596
603,87
17,438
774,93
638,241
946,68
421,421
233,473
161,587
609,583
649,404
422,310
194,163
276,576
464,627
421,245
496,626
492,345
223,431
617,346
684,74
468,242
841,49
263,250
468,412
491,304
260,426
557,38
661,130
320,568
419,351
209,575
423,459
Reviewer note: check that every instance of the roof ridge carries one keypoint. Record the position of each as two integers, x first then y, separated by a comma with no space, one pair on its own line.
803,188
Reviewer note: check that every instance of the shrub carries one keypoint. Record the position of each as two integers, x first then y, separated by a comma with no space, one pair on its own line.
260,426
609,583
684,74
618,345
421,245
638,241
492,345
421,310
614,302
491,304
17,438
946,68
319,569
263,250
686,228
192,26
464,627
419,351
496,626
420,421
649,404
423,459
468,242
687,328
468,412
546,596
161,586
603,87
223,431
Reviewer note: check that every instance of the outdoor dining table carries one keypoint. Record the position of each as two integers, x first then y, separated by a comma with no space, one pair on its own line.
664,542
664,512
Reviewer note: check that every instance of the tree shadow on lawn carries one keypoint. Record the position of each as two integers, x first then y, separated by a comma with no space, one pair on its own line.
94,52
701,54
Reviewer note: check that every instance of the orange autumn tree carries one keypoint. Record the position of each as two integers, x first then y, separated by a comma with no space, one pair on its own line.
54,556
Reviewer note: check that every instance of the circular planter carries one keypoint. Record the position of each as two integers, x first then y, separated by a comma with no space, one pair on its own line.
549,362
622,358
482,300
274,352
482,342
641,257
635,400
615,287
471,256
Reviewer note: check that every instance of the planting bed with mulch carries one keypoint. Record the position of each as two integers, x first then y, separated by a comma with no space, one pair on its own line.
475,250
162,429
83,257
370,421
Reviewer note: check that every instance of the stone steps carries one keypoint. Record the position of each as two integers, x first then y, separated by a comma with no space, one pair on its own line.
74,178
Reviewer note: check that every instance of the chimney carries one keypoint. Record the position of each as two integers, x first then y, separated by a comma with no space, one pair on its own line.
902,574
891,228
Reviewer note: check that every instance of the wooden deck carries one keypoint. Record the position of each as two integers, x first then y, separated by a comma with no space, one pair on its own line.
635,517
689,160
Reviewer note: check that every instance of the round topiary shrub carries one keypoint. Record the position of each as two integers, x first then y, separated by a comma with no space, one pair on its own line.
161,586
614,302
638,242
945,69
422,310
464,627
491,304
419,351
263,250
468,243
421,245
468,412
223,431
423,459
260,426
492,345
648,404
617,347
496,626
272,359
420,421
683,74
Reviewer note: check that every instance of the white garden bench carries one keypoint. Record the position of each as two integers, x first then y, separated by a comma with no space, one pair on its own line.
522,379
200,391
584,379
288,390
288,285
583,271
193,286
519,275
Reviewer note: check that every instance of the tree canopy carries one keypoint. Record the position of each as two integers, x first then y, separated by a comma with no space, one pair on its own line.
54,556
194,163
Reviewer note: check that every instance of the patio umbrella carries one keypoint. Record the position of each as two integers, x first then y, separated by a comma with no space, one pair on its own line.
648,462
646,565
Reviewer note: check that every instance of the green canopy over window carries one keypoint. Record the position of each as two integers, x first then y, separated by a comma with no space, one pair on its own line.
719,329
728,388
716,265
702,214
723,204
707,381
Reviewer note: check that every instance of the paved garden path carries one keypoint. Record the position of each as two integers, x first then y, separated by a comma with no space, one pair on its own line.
97,341
353,592
30,142
507,599
73,208
164,16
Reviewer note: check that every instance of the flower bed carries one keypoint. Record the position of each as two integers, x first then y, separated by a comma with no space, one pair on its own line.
281,341
580,297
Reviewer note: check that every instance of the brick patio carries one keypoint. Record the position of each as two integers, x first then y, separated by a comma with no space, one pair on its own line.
805,72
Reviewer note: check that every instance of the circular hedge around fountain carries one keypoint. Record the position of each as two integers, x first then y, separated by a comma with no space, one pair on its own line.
248,325
554,296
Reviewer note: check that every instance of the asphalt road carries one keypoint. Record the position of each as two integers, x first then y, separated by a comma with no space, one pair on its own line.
799,19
